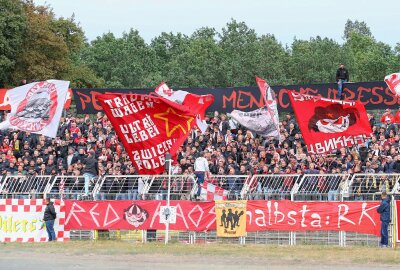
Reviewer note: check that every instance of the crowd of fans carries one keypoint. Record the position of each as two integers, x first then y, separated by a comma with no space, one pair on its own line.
229,148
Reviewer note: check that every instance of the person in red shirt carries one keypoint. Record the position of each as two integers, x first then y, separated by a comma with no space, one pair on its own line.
397,117
387,116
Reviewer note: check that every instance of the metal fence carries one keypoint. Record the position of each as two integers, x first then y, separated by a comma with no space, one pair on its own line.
295,187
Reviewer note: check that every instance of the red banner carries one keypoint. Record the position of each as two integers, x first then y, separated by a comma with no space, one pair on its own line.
313,216
200,216
328,124
148,127
5,104
137,215
397,215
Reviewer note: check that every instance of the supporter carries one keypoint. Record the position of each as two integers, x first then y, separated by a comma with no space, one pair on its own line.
387,117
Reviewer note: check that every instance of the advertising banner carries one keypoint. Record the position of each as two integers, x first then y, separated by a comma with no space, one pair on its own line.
21,221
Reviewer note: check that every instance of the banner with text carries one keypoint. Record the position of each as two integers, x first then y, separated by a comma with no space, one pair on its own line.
137,215
21,221
201,216
374,95
148,127
328,124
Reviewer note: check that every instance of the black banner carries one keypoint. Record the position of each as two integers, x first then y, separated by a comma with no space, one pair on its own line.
375,95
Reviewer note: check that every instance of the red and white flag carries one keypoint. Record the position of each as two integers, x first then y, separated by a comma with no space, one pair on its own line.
148,127
393,82
197,103
211,192
328,124
37,107
270,104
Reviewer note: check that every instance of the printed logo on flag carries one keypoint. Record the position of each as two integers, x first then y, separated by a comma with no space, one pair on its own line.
135,215
230,218
38,108
328,124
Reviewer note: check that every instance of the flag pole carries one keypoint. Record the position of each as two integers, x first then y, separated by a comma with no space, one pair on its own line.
168,159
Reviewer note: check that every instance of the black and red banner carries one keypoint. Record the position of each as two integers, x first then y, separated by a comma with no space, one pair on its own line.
374,95
328,124
148,127
260,215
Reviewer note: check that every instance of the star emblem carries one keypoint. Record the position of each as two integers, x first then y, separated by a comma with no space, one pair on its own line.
169,114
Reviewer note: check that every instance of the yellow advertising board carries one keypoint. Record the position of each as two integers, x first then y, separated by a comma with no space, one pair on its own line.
230,218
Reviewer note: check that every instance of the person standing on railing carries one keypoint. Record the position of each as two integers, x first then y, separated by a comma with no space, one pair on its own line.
90,171
200,169
384,211
49,217
342,76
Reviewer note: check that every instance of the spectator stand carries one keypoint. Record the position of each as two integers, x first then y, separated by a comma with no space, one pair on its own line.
272,187
181,187
234,186
25,187
71,187
321,187
369,187
122,187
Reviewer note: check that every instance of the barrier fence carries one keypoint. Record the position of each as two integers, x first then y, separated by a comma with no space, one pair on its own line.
307,187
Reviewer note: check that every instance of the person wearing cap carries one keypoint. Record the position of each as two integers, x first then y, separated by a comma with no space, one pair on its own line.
90,170
342,76
387,117
200,169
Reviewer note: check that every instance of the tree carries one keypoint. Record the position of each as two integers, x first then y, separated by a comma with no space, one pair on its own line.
356,27
12,31
44,53
315,61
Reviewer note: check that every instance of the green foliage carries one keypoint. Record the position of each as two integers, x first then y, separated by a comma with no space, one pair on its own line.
12,30
34,44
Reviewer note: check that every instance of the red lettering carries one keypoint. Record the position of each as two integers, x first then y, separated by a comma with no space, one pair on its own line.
390,94
374,93
283,92
84,99
360,94
231,99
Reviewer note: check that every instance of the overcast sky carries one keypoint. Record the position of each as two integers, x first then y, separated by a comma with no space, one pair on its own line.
284,18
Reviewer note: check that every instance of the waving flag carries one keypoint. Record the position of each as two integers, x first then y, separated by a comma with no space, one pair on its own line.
263,121
148,127
328,124
197,103
393,82
258,121
37,107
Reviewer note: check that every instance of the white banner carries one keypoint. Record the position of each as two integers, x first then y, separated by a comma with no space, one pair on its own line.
37,107
260,121
21,221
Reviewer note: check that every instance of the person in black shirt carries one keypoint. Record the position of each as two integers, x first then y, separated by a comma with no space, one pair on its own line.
342,76
49,218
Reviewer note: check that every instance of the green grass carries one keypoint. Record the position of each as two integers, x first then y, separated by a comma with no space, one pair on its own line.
334,255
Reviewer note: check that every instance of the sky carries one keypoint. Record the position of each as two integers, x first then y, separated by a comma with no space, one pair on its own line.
285,19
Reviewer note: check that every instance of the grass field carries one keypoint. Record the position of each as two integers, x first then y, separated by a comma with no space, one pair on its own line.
126,255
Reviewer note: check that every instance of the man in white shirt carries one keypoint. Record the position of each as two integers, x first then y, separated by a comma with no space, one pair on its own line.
200,169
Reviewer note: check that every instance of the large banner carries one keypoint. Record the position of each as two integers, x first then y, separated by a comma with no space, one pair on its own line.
21,221
374,95
201,216
5,100
148,127
328,124
137,215
397,221
313,216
